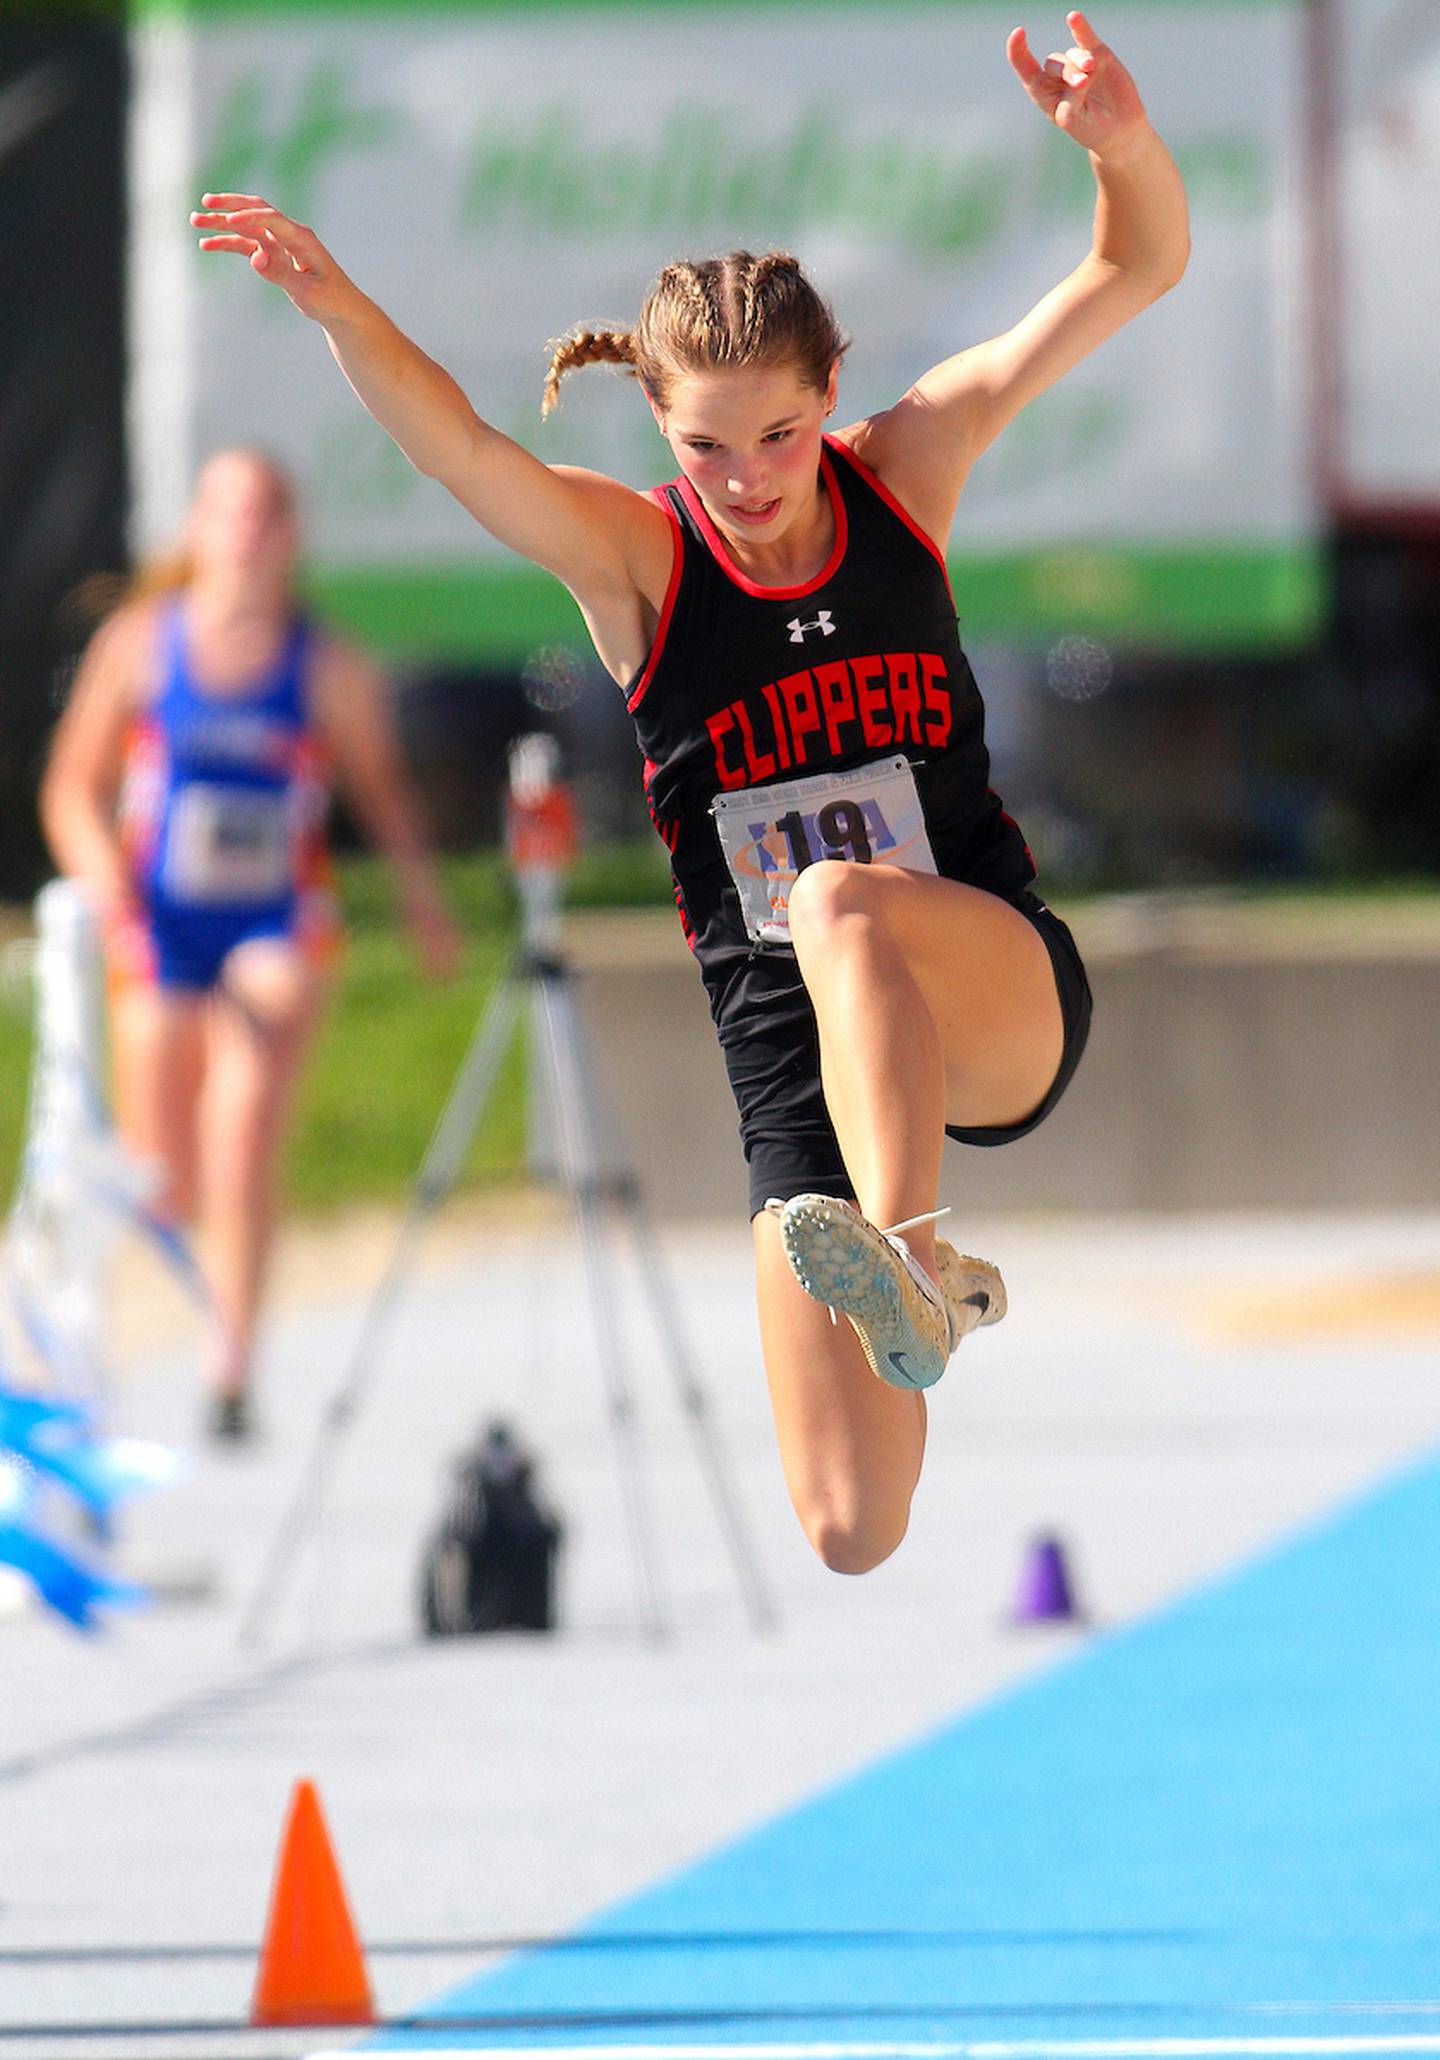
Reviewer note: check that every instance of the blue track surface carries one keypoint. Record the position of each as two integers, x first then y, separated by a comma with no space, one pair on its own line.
1222,1824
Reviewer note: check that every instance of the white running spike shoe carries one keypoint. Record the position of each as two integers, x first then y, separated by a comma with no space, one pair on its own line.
907,1327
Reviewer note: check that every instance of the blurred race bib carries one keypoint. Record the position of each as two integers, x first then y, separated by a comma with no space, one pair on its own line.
870,816
229,845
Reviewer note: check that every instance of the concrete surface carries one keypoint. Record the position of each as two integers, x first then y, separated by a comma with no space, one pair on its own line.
1166,1396
1242,1057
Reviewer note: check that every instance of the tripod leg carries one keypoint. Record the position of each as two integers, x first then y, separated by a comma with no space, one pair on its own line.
438,1173
619,1177
708,1446
557,1042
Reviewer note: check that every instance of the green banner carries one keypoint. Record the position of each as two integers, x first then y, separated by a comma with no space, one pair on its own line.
1215,600
493,173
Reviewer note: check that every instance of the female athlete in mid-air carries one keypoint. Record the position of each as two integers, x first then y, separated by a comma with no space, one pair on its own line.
780,622
187,789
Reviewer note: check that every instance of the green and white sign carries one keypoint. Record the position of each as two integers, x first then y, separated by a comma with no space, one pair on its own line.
493,174
1385,281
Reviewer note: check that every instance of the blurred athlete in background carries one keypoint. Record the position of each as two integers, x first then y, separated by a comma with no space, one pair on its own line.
780,621
187,791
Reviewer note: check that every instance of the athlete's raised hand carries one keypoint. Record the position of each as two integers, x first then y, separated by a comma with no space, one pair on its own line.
1085,90
291,256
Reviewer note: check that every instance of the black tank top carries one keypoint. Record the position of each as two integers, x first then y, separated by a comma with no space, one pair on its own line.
746,685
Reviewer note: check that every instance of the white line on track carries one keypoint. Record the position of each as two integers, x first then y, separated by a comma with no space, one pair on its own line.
972,2049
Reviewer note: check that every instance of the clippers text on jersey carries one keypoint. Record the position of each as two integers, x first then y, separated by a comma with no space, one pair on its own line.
852,704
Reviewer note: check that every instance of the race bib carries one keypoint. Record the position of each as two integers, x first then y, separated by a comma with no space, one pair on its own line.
229,845
769,835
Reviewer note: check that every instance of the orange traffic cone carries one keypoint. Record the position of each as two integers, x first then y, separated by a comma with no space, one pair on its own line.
312,1970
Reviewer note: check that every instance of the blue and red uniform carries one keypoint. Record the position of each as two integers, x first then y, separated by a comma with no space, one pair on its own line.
222,814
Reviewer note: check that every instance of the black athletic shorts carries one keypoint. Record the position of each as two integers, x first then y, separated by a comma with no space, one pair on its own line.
772,1055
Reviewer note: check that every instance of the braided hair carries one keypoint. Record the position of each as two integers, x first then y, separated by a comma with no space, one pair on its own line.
698,317
586,347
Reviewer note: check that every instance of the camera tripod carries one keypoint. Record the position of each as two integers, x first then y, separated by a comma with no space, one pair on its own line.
565,1144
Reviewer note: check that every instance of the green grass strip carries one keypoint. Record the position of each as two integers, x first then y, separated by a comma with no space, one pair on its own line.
392,1042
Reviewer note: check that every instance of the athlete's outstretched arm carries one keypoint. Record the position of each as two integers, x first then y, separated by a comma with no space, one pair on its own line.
587,530
354,718
77,794
925,445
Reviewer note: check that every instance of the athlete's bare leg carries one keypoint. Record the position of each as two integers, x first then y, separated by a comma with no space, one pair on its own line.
158,1039
936,1003
850,1446
266,1011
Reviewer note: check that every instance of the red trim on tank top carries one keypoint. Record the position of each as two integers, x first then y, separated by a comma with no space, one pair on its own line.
662,628
1006,817
720,552
874,481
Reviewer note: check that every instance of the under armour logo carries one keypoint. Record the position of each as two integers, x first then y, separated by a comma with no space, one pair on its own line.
799,630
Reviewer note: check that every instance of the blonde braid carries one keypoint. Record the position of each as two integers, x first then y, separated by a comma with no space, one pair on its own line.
692,306
586,347
759,298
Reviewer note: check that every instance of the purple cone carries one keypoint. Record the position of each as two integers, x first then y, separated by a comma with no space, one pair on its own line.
1045,1594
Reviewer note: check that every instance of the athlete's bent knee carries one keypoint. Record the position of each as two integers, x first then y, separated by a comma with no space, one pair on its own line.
825,893
853,1548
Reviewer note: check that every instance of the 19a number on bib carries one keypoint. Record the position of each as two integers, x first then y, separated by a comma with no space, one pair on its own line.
769,835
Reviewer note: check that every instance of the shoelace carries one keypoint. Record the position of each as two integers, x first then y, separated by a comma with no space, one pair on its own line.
931,1216
918,1271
